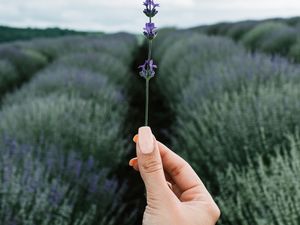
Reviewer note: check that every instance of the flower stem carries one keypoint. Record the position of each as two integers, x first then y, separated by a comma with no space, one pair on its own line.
150,50
147,102
147,82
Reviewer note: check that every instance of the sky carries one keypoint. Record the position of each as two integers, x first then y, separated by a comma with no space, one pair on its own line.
126,15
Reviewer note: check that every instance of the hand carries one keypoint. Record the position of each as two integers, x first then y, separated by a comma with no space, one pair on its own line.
175,194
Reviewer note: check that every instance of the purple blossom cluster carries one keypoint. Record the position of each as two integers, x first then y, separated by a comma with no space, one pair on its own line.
150,10
150,32
148,69
47,184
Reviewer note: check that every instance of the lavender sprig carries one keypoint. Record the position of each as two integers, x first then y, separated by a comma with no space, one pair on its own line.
148,68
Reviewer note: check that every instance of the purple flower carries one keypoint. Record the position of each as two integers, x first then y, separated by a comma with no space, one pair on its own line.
150,31
150,3
148,69
150,10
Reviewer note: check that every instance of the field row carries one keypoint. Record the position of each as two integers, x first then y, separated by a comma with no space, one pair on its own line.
274,36
236,122
62,130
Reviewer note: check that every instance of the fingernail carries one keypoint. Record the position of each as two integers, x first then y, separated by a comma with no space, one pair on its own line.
135,138
145,140
132,162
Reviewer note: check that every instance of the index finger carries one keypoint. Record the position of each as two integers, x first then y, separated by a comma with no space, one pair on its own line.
182,174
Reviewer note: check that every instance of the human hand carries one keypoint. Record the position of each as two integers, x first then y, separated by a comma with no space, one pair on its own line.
175,194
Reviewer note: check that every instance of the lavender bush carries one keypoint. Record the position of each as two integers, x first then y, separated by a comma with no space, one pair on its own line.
26,61
254,37
167,36
263,194
121,46
8,76
194,53
70,123
76,104
279,41
103,63
236,126
228,103
226,76
295,51
42,186
274,36
238,30
70,80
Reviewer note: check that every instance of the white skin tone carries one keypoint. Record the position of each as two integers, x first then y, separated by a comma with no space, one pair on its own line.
175,194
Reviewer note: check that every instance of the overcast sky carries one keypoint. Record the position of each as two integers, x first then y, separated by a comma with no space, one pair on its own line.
126,15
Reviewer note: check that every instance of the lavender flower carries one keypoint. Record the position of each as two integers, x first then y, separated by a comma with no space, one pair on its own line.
150,31
150,10
148,68
150,3
30,188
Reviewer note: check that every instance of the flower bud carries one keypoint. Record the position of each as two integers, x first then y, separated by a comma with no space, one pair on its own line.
148,69
150,31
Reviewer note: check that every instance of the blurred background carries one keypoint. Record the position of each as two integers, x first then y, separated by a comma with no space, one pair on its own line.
119,15
225,97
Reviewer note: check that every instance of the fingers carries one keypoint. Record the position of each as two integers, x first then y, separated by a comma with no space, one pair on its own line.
183,175
180,171
134,164
187,181
150,164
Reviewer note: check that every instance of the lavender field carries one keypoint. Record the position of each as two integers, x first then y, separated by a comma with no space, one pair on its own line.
226,98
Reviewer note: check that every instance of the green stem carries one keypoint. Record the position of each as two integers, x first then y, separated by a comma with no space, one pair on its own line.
147,83
147,102
150,50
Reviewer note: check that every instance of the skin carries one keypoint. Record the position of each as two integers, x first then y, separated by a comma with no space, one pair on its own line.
175,193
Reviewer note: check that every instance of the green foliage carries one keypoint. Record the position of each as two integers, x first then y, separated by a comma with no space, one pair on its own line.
227,76
69,80
77,104
121,45
14,34
17,65
264,193
228,104
103,63
231,106
44,186
275,36
254,37
218,29
295,51
162,35
238,30
71,123
163,43
293,21
26,61
279,41
188,56
8,76
235,127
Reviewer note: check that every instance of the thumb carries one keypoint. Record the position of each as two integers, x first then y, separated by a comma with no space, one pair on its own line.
150,164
